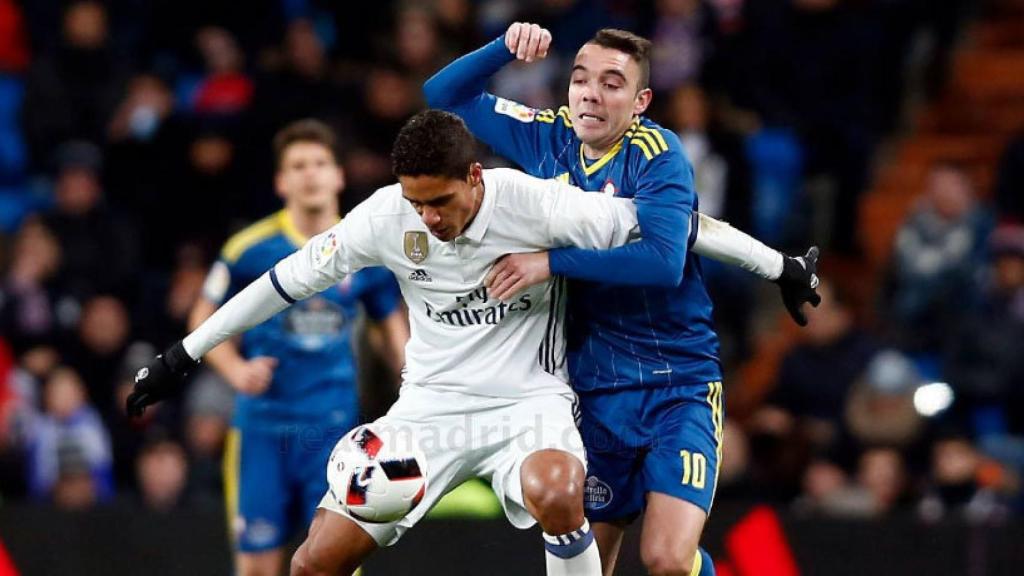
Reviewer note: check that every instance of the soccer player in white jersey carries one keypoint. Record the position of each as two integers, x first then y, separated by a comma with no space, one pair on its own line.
490,371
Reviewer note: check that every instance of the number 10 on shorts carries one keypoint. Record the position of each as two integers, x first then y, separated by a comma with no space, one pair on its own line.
695,469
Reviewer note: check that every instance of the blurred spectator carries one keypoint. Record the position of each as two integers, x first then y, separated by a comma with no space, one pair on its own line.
984,362
98,350
456,21
417,46
882,474
880,406
683,39
832,345
720,169
145,140
389,99
877,487
70,455
27,297
935,260
98,245
209,177
224,88
73,91
208,409
162,472
300,83
954,487
803,415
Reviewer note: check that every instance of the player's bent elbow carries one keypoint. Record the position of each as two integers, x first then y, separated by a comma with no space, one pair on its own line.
435,94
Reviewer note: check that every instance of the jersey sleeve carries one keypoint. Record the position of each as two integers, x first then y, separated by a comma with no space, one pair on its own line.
664,201
328,257
382,295
588,220
518,132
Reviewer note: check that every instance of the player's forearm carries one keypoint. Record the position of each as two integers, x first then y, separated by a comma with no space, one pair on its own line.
720,241
256,303
223,357
466,77
641,263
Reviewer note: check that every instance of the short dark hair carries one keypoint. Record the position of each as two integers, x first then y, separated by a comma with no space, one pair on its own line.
637,47
433,143
307,130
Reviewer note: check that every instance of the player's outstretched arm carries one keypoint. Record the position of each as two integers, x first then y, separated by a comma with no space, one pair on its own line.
163,376
325,260
796,276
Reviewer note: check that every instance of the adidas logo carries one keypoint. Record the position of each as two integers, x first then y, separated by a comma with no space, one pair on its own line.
420,275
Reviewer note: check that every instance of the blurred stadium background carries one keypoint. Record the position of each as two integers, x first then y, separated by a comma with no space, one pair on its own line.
886,438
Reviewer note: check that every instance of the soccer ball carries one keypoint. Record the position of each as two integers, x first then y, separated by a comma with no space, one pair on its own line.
373,481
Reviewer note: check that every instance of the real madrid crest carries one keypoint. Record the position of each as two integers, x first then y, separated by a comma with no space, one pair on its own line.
416,248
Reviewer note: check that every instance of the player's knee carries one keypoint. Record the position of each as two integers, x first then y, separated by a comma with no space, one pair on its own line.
668,560
553,489
305,564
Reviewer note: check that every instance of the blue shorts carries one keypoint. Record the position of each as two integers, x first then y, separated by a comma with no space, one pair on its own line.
274,480
666,440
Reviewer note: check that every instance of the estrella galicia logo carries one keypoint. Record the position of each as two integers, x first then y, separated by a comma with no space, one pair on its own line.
596,494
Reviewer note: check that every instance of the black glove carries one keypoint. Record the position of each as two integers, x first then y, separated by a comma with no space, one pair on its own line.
798,282
159,379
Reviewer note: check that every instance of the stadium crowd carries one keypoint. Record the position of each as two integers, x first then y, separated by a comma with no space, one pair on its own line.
135,138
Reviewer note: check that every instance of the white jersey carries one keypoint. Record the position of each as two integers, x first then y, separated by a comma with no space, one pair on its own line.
461,339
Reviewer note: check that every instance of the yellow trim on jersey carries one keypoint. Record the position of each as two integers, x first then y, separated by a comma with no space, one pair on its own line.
242,241
643,146
290,231
649,140
656,134
563,112
588,170
717,419
698,563
546,116
230,471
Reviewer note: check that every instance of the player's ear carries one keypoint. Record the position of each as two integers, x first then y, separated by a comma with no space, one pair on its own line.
642,101
476,174
279,184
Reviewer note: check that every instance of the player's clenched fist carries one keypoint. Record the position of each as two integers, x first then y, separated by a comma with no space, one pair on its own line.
159,379
527,41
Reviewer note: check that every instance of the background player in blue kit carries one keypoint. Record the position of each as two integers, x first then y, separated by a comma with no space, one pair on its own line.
295,373
642,352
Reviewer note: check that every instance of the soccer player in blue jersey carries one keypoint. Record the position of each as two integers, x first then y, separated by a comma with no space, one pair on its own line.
642,352
295,373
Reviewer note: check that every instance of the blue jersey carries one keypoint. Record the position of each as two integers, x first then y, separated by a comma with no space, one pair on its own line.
314,382
638,315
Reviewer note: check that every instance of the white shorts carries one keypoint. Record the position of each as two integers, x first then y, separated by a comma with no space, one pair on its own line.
465,436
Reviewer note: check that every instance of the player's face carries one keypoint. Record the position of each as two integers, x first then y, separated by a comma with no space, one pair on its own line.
309,176
604,95
446,205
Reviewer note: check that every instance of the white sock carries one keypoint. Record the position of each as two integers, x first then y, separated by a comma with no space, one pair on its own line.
572,554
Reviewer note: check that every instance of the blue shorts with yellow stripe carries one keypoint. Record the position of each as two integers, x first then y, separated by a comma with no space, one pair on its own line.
273,481
666,440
